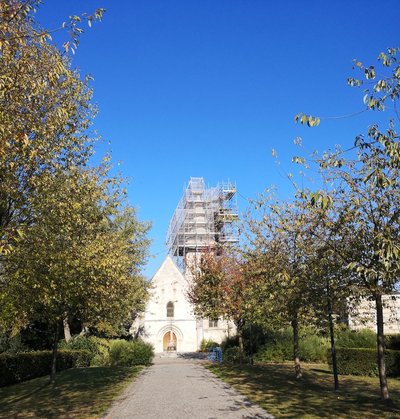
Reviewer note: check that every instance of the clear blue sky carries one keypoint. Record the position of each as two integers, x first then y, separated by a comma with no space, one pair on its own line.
208,88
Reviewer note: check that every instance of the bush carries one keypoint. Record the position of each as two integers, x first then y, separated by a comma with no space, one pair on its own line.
229,342
392,341
347,338
102,356
279,347
363,361
79,343
98,348
208,344
128,353
231,355
11,344
24,366
37,336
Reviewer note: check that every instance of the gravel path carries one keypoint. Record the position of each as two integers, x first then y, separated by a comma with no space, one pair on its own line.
176,388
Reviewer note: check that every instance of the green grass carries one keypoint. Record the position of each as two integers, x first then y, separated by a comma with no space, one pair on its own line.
274,387
79,392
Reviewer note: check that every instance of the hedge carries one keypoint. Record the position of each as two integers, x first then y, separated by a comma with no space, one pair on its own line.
128,353
23,366
363,361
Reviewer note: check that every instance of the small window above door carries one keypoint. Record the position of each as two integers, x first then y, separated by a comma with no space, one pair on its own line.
170,309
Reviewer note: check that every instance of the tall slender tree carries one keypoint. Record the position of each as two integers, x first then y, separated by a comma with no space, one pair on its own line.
280,239
367,193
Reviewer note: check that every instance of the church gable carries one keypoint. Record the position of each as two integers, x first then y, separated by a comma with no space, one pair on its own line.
168,294
168,272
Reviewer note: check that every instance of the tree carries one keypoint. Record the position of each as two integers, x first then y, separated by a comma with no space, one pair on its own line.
220,288
367,196
280,242
369,202
45,110
69,245
81,255
330,286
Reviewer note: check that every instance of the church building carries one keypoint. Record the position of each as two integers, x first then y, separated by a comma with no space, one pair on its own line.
204,220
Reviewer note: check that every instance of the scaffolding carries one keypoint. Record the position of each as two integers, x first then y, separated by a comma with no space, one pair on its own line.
205,218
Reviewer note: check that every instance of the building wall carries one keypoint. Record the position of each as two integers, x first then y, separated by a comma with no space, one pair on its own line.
362,315
216,334
170,285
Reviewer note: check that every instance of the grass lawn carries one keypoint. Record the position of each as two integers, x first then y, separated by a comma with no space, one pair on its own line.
78,392
274,388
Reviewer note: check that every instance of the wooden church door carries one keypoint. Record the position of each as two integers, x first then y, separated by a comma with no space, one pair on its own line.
169,341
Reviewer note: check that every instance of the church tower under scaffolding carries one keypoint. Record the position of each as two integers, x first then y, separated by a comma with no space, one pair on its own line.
204,219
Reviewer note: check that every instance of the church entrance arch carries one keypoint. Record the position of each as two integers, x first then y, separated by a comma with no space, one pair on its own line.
169,341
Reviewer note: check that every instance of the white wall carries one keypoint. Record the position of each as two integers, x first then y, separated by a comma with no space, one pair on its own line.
362,315
169,284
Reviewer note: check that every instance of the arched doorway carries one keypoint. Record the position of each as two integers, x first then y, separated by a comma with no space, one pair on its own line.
169,341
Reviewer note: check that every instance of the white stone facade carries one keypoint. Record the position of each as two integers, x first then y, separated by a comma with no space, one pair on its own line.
168,322
362,315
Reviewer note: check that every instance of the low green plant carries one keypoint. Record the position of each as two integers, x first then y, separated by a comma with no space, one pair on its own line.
279,347
231,355
10,343
347,338
362,361
24,366
205,345
98,348
102,356
230,342
392,341
129,353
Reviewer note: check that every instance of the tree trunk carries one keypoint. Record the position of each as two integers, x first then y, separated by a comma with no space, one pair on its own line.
54,355
381,347
296,356
241,348
83,331
67,331
332,336
251,345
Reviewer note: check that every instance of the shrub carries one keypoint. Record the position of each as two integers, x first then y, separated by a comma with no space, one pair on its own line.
37,336
79,343
392,341
208,344
102,356
279,347
128,353
10,343
363,361
231,355
347,338
230,342
97,347
27,365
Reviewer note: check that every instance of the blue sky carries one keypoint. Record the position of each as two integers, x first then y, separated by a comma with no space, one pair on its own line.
208,88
